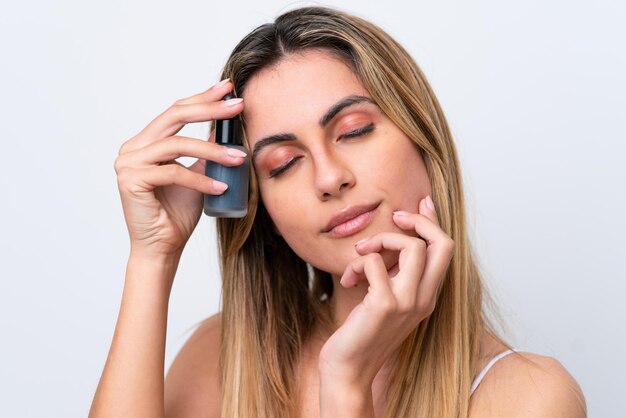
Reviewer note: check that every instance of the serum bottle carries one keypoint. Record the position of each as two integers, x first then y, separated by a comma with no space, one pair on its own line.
233,203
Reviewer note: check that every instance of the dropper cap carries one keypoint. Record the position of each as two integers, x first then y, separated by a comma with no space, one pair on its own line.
226,129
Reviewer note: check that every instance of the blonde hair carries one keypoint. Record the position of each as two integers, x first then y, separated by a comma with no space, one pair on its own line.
271,300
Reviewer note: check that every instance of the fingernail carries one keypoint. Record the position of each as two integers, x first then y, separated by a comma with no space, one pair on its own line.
360,241
400,213
233,152
219,186
233,102
221,83
429,203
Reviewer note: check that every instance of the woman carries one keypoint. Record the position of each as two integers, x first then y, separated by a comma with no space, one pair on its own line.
349,289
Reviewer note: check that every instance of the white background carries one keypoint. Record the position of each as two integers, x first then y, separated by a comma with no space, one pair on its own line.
534,92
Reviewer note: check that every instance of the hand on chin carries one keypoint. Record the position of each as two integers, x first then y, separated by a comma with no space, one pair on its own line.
390,259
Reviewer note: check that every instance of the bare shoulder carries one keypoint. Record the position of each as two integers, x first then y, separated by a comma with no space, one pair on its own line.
192,385
525,385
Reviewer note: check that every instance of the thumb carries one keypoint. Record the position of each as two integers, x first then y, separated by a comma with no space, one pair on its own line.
426,207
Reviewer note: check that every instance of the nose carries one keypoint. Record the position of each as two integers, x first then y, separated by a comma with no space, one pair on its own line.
333,175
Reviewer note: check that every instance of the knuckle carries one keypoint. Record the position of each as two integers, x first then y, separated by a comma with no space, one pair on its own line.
175,111
118,165
426,307
387,306
406,307
123,176
175,170
373,258
173,143
199,179
430,307
450,246
421,218
123,148
418,245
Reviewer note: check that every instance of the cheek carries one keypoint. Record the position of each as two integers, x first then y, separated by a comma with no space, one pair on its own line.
281,209
295,234
405,170
286,211
294,222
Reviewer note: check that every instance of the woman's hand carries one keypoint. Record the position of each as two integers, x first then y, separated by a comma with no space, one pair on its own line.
161,198
396,302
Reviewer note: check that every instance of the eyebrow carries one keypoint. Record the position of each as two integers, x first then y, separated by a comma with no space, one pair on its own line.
324,120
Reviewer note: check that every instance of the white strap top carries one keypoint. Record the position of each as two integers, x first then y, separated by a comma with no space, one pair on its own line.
489,365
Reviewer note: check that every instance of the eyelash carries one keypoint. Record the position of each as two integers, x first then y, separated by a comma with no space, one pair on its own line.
353,134
358,132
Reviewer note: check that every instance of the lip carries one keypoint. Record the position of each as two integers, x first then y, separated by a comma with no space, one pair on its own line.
351,220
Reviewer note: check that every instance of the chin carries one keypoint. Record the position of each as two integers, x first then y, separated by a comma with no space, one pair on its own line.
344,255
390,259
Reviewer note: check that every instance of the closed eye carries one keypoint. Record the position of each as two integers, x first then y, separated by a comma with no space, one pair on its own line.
352,134
358,132
279,170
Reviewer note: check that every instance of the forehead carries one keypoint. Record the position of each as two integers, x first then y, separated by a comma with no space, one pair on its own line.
293,94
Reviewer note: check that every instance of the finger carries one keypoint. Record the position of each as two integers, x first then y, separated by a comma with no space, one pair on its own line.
173,119
438,260
179,146
176,116
440,246
411,260
426,207
425,227
137,180
369,267
212,94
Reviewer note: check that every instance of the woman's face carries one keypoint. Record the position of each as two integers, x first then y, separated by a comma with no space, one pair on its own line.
324,154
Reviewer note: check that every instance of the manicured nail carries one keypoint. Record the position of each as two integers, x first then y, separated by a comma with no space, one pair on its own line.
360,241
233,102
219,186
429,203
233,152
221,83
400,213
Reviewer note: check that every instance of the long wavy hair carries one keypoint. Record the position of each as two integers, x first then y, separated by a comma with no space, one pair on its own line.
272,298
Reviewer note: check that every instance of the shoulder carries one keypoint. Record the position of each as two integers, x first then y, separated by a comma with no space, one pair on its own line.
192,385
525,385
